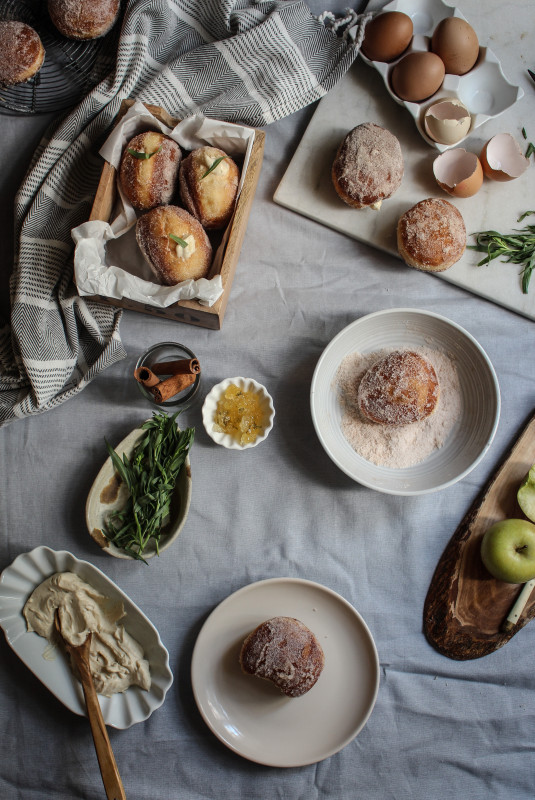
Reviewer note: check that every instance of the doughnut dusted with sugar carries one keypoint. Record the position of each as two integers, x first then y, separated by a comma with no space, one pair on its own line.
149,169
431,235
399,389
77,19
208,182
21,52
174,244
368,166
284,651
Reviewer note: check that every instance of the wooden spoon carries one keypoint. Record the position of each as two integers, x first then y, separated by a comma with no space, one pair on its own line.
466,609
106,760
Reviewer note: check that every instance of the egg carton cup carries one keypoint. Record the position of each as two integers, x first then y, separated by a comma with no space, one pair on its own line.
484,90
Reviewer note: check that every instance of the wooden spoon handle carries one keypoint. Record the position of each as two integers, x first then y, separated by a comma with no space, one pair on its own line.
106,760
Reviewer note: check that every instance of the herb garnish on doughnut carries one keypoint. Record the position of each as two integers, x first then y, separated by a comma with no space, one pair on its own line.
149,169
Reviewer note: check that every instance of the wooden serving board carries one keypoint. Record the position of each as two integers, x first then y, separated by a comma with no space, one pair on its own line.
465,607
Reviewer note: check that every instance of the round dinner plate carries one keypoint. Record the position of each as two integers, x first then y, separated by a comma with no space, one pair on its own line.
250,715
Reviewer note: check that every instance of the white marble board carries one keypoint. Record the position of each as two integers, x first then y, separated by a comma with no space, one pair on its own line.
361,96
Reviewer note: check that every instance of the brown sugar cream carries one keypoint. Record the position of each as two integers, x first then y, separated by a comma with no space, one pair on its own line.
398,446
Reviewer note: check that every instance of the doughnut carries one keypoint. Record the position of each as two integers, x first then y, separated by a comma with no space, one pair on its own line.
284,651
21,52
431,235
148,170
368,166
208,189
77,19
171,261
399,389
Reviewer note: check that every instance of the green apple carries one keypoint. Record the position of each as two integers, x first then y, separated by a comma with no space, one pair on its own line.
508,550
526,495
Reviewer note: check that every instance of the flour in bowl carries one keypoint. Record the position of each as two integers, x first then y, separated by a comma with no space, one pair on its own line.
398,446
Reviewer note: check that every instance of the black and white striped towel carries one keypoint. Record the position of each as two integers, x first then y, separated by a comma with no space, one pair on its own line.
250,61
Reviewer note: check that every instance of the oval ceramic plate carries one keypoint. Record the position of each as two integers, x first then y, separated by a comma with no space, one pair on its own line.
472,434
251,716
108,493
19,580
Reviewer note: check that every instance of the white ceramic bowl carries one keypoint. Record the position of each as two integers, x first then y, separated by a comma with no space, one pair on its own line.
210,405
106,495
472,433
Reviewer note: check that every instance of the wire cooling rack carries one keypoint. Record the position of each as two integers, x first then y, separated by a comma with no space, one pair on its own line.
70,69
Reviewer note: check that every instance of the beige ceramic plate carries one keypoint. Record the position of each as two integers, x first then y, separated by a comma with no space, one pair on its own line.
108,494
251,716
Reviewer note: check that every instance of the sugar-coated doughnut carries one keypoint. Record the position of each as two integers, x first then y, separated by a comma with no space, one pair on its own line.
174,244
368,166
208,183
77,19
149,169
399,389
431,235
284,651
21,52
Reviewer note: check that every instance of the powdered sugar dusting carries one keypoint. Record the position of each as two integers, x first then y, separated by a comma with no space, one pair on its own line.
393,445
284,651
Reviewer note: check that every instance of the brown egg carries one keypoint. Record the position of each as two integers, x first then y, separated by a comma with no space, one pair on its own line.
417,76
387,36
458,172
502,158
455,41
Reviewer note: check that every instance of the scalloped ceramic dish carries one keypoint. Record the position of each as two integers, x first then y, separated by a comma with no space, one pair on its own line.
472,433
107,494
484,90
210,406
19,580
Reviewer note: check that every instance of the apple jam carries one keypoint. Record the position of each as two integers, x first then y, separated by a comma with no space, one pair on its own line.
239,414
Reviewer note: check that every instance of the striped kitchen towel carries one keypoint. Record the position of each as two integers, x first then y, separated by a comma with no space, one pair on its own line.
249,61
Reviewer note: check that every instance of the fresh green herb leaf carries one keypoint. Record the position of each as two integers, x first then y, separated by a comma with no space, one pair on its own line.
216,163
142,155
150,476
178,240
515,248
530,149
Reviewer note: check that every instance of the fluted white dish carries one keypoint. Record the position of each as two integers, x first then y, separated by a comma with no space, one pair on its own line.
250,715
210,406
471,435
48,664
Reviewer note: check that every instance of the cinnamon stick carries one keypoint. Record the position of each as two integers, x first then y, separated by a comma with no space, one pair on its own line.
172,386
146,377
183,366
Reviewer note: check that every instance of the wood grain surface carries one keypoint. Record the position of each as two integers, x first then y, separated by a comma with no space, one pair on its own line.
465,607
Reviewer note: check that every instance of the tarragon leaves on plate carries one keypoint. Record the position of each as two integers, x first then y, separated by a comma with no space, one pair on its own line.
150,475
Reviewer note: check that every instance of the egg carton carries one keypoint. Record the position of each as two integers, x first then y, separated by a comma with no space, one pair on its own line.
484,90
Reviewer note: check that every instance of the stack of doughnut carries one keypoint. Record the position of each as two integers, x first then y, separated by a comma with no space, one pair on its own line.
173,237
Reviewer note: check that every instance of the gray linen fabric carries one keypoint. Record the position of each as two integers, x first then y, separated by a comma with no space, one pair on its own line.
249,61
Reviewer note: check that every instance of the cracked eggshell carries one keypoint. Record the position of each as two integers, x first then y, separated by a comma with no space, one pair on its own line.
458,172
502,158
447,121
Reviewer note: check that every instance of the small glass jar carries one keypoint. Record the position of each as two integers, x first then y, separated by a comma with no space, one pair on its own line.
169,351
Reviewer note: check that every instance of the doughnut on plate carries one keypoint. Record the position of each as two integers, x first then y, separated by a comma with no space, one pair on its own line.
252,717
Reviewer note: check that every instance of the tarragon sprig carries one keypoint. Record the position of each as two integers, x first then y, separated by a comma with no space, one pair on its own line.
150,476
141,155
515,248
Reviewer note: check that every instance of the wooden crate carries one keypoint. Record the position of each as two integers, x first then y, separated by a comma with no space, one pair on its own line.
189,311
